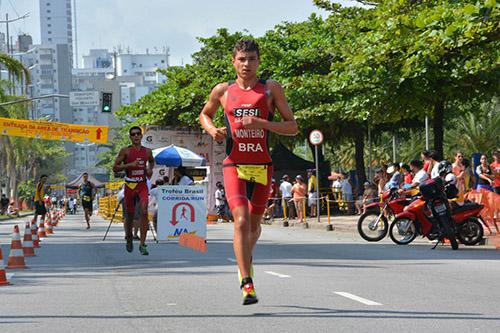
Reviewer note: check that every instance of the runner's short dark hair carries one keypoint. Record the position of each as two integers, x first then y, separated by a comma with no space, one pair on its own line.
246,45
44,175
134,128
85,173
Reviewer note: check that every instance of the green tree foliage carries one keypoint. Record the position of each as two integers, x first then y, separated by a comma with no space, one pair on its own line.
383,65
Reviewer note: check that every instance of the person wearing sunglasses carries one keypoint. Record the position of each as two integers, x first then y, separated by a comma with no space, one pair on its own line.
137,161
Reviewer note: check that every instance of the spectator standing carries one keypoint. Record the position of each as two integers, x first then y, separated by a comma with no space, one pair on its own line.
369,196
434,166
495,167
380,180
71,206
469,178
4,203
299,191
347,196
459,172
220,201
485,174
312,191
286,195
426,159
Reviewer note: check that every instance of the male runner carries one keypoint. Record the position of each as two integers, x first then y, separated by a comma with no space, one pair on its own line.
39,204
138,163
249,104
86,192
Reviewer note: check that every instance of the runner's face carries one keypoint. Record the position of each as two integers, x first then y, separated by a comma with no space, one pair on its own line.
136,137
246,64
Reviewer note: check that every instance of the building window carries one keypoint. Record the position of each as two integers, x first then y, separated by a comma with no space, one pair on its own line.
48,3
49,32
48,10
49,25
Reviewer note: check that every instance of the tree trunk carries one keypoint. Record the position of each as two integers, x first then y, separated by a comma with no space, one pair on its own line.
359,146
438,124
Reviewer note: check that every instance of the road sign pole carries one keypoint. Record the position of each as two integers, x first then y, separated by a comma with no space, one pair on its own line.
318,208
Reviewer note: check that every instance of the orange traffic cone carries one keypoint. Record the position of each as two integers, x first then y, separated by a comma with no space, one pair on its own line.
3,276
48,223
16,256
28,247
34,236
41,230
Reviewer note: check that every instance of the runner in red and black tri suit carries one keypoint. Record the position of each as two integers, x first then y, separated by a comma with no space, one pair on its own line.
138,163
249,104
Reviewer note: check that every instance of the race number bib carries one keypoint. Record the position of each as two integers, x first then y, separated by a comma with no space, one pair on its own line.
252,173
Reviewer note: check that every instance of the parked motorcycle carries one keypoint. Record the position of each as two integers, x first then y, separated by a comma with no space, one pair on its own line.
430,216
373,224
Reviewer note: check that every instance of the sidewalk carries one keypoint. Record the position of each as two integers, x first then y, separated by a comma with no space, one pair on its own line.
339,223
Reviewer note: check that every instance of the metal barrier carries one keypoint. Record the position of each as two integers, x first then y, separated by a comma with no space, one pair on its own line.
107,206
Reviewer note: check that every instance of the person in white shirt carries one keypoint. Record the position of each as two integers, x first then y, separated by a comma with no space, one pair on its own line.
286,195
420,177
181,178
220,201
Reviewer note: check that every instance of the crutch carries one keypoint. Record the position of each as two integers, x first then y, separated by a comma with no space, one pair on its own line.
109,226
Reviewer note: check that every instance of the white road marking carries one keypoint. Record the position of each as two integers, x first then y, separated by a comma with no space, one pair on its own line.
231,259
356,298
10,275
171,304
278,274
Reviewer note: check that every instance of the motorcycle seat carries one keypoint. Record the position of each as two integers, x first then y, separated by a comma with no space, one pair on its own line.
465,206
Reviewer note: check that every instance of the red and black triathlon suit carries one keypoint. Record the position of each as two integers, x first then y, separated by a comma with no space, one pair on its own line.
136,179
246,146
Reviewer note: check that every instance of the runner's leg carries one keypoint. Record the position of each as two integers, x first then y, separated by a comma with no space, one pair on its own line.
243,241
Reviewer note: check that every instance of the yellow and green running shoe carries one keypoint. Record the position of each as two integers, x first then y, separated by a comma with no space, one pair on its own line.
248,290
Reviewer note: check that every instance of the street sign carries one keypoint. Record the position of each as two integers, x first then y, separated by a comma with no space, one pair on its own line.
316,137
84,98
47,130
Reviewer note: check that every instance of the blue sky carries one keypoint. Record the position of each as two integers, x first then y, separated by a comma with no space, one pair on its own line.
154,23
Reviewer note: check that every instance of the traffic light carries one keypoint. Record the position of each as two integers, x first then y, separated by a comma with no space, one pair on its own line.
106,101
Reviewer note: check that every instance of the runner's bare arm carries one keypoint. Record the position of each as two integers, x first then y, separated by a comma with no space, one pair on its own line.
288,125
209,111
151,164
120,159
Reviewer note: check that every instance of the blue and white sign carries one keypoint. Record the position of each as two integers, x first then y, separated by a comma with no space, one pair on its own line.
181,209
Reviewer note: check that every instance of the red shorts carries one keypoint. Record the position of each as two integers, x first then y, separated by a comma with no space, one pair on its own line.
140,191
242,193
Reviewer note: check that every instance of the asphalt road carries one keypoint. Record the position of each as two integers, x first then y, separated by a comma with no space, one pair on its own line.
306,280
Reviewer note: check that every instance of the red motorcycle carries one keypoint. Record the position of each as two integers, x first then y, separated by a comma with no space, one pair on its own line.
373,224
431,216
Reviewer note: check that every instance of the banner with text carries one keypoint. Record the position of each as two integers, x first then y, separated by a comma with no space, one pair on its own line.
47,130
181,209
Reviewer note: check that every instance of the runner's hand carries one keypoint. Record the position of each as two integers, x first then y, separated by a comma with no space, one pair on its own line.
252,122
149,173
219,134
133,164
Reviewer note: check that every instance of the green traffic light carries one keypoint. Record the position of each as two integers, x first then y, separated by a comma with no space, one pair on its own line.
106,108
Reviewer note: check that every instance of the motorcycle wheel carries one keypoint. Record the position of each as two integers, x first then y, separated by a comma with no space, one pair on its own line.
368,229
403,231
470,232
449,232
